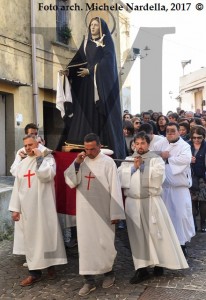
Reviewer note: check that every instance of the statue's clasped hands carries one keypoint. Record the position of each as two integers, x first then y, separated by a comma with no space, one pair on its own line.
83,72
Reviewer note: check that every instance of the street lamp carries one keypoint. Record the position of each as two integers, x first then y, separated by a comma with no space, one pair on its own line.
184,63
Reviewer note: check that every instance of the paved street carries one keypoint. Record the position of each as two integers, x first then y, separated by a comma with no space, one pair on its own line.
174,285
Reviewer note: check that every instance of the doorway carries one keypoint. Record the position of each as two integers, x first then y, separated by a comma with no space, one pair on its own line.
2,135
53,124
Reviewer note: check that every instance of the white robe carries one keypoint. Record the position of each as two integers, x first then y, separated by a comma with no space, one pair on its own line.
152,236
35,200
18,246
154,140
176,194
99,200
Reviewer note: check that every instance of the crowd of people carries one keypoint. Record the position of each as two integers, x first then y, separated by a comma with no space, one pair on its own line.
163,184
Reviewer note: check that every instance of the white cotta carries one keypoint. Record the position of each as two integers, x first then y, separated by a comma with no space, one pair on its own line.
151,233
18,246
176,194
99,200
34,197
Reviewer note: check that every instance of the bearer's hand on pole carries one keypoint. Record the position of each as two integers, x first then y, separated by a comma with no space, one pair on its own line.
137,162
80,157
15,216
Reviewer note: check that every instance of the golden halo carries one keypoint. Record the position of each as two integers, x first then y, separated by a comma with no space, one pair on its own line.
109,18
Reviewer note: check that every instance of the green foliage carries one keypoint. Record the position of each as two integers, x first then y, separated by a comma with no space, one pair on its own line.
65,32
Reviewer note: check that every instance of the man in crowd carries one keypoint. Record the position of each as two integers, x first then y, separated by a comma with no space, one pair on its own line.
173,117
146,118
177,156
154,138
152,236
33,202
99,207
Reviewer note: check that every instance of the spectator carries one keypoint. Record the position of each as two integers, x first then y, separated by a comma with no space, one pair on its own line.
184,130
136,123
198,148
162,122
195,121
173,117
128,132
127,117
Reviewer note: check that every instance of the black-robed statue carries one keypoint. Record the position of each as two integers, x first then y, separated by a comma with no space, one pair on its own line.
95,106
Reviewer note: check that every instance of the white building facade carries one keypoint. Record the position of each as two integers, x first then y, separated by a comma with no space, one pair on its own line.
193,91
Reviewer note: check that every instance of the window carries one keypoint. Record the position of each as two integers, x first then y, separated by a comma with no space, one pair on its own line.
62,31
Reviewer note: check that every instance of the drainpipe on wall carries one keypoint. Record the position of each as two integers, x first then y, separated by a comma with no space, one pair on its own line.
34,76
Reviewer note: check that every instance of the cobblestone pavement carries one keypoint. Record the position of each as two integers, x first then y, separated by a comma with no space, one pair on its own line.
174,285
6,181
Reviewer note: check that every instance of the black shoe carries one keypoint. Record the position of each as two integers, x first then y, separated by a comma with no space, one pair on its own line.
158,271
184,250
140,275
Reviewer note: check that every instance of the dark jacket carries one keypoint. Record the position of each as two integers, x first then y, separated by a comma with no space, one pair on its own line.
198,168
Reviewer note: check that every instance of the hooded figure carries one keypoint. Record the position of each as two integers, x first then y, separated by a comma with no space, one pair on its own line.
94,85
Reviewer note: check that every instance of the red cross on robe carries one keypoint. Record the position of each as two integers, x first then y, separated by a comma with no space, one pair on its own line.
29,177
89,178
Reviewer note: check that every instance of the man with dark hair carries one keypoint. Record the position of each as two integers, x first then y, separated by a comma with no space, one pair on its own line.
176,195
152,236
146,117
99,207
148,129
92,137
173,117
31,128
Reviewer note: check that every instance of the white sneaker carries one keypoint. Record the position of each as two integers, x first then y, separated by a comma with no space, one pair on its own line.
25,265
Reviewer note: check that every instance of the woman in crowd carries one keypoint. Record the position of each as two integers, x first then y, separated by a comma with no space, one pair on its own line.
162,122
198,189
154,116
184,130
127,117
203,120
136,123
128,132
195,121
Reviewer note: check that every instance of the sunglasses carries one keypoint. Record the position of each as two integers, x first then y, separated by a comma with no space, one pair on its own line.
136,122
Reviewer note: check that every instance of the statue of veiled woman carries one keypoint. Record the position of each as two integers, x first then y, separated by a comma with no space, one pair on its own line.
93,78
